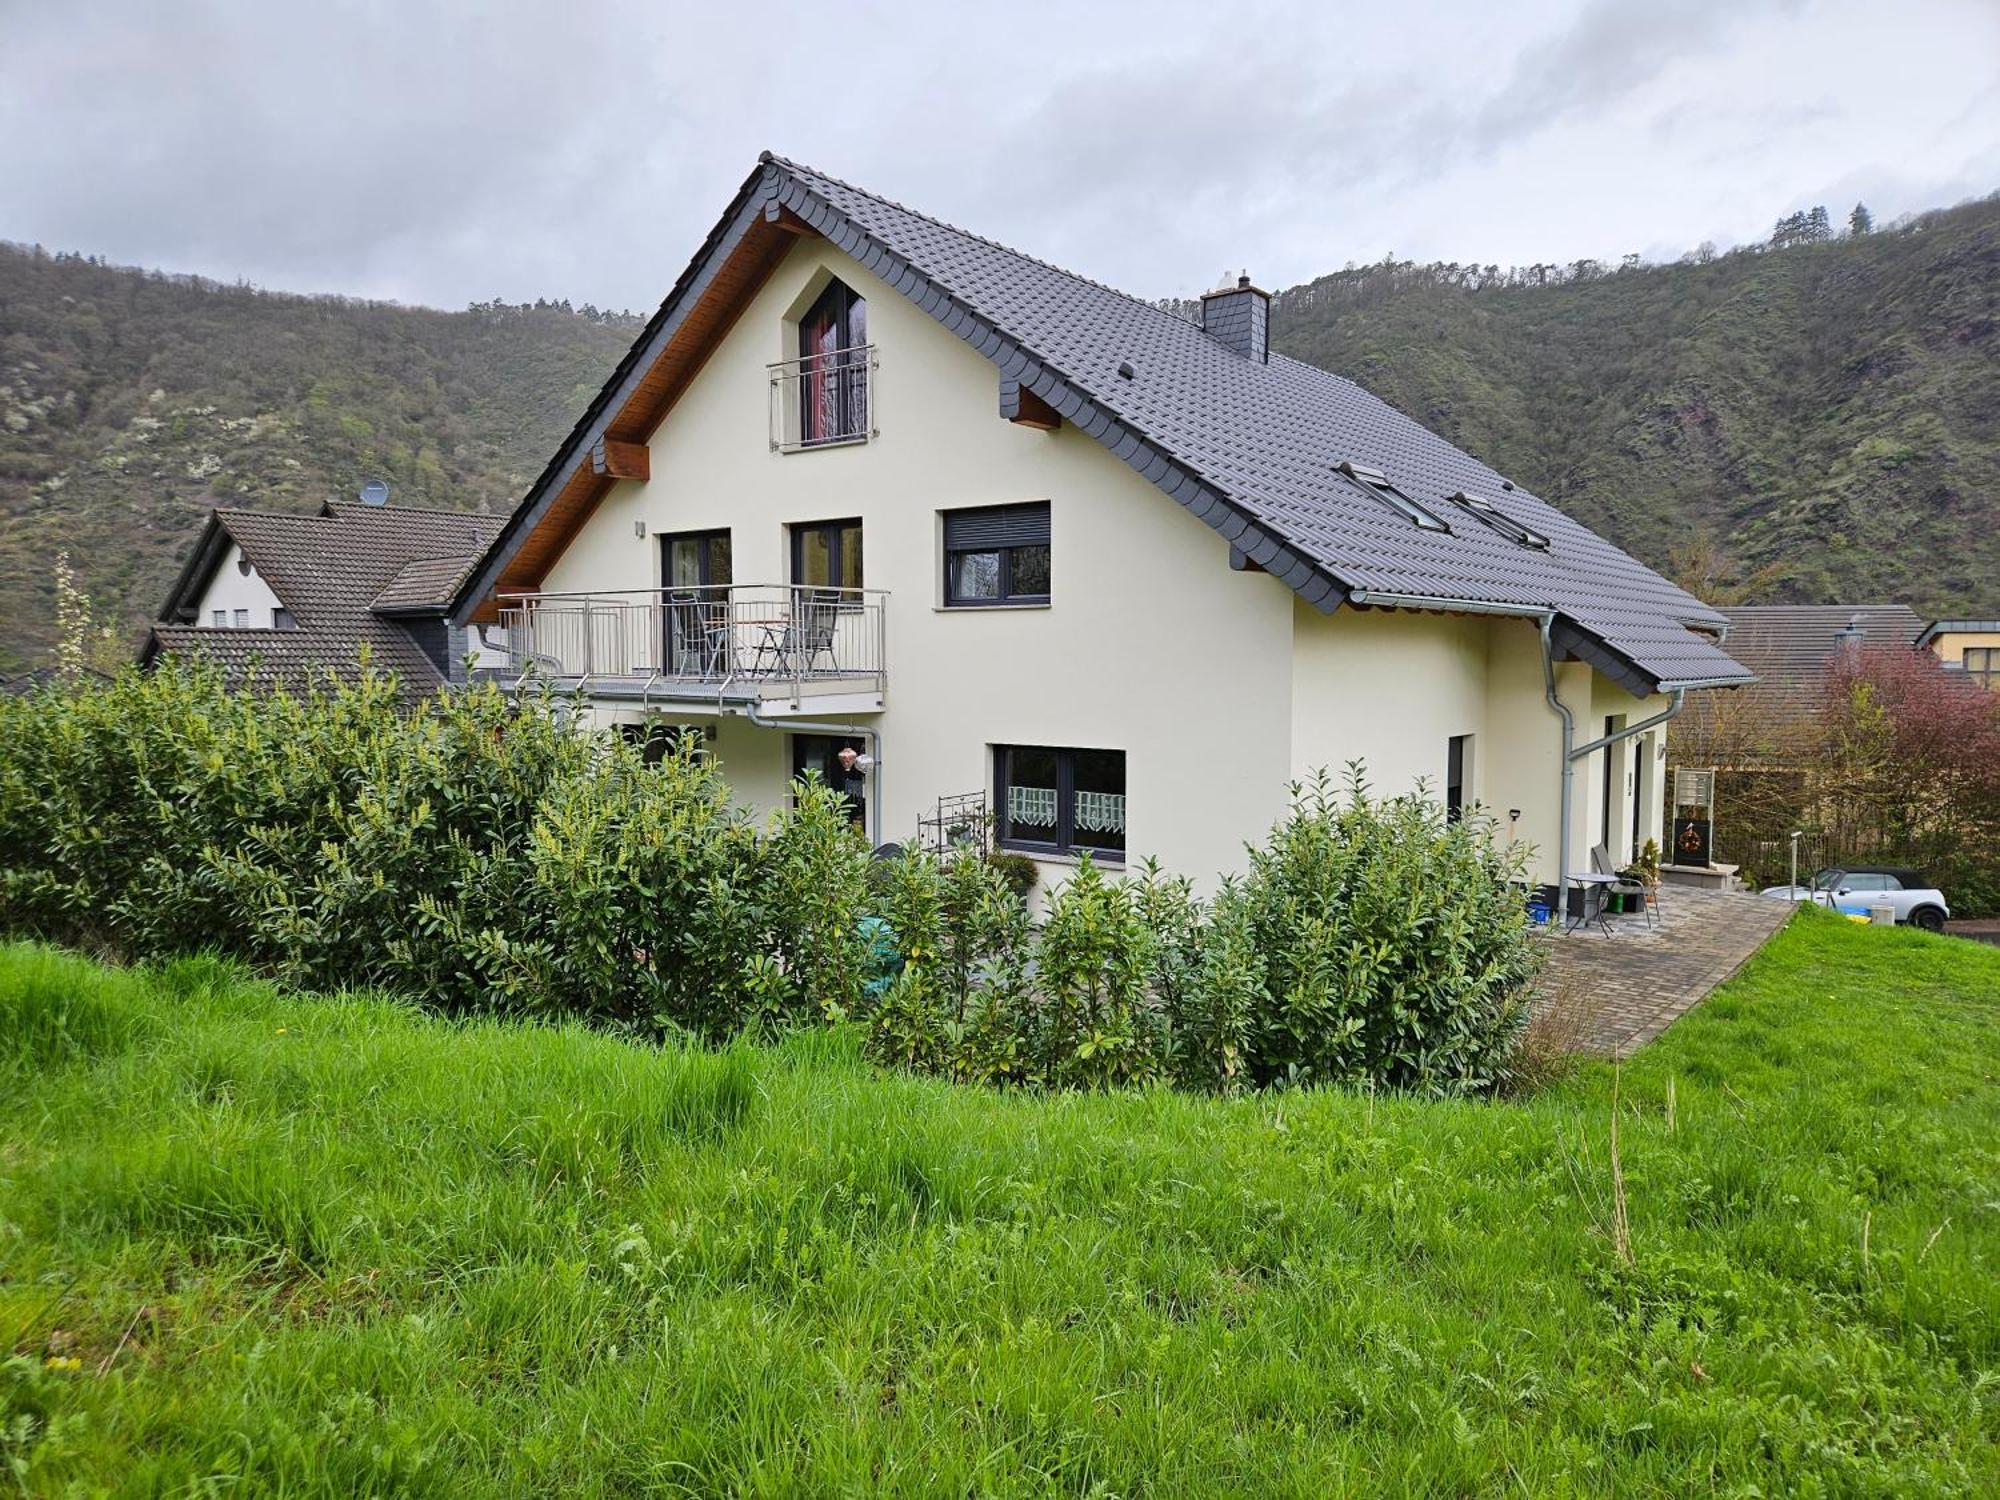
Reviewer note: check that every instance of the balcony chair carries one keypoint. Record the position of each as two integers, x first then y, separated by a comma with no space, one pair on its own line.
699,631
807,636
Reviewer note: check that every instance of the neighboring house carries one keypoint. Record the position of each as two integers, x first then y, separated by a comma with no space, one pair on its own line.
867,482
1789,647
285,596
1972,645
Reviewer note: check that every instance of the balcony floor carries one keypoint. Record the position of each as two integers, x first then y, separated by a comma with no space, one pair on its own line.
778,697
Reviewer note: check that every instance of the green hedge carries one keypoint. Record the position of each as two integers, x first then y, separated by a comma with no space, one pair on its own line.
1371,941
474,851
479,853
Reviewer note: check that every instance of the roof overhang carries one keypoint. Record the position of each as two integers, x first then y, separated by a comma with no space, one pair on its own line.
1957,627
195,574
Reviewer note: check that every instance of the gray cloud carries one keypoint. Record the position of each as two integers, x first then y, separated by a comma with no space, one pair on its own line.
442,150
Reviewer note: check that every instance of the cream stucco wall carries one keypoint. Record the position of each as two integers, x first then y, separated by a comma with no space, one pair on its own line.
231,589
1392,689
1950,646
1151,644
1219,686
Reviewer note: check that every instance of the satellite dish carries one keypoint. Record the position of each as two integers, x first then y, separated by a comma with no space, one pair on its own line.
375,492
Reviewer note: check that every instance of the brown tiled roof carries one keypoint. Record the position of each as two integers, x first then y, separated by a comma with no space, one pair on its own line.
350,576
1789,646
424,585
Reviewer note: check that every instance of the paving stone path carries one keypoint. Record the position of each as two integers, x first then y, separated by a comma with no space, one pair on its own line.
1635,983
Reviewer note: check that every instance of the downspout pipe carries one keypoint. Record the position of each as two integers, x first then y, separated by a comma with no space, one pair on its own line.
851,731
1546,628
1545,620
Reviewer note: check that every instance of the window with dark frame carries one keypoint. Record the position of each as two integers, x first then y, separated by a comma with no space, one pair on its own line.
1982,665
997,554
827,554
655,741
281,618
833,368
1051,801
1457,776
1376,483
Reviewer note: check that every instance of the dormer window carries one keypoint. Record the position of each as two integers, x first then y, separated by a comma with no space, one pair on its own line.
833,368
1501,522
1376,483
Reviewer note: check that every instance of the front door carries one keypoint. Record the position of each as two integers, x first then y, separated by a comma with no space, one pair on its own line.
695,573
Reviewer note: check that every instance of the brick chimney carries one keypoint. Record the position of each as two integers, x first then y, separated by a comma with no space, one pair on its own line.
1240,317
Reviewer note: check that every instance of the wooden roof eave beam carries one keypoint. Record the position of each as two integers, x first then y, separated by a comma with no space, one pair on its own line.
780,217
611,459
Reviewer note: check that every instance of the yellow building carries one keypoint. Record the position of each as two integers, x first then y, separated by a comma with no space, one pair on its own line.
1973,645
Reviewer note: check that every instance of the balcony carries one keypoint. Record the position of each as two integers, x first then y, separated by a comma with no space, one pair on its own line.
734,645
823,400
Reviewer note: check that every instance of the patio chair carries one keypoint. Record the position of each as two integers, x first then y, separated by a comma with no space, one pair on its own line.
1624,884
698,630
809,633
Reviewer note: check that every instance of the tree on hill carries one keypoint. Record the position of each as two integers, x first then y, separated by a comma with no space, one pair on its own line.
1860,221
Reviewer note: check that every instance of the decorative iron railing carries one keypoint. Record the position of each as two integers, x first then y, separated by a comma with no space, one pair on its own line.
823,400
743,634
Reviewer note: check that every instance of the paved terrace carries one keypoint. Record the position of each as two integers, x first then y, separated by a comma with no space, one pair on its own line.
1635,983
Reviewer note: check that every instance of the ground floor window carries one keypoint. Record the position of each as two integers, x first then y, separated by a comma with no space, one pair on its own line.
656,741
1050,801
821,753
1457,776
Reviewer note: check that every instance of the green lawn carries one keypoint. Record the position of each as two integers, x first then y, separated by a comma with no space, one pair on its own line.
258,1243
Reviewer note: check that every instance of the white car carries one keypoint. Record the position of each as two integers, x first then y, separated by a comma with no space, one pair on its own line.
1855,889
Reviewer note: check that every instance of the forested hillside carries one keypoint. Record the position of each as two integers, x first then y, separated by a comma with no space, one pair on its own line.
130,403
1817,423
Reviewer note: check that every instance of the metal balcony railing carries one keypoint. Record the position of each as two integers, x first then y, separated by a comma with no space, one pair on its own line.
823,400
752,636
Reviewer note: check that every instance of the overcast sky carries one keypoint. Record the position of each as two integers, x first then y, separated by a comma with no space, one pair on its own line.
444,152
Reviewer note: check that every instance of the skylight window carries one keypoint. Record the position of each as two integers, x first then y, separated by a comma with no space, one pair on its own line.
1501,522
1377,483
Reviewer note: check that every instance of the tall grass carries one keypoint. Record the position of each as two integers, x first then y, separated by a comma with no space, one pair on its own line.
273,1244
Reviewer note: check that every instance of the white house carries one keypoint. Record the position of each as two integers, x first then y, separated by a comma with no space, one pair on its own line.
281,598
869,482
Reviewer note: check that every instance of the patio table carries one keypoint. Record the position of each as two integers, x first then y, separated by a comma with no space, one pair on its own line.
1594,887
771,637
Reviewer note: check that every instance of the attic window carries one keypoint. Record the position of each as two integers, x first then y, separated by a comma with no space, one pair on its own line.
1377,483
1500,521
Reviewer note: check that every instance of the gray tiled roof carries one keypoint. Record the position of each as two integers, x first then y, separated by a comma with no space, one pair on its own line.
333,571
1249,446
1269,435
